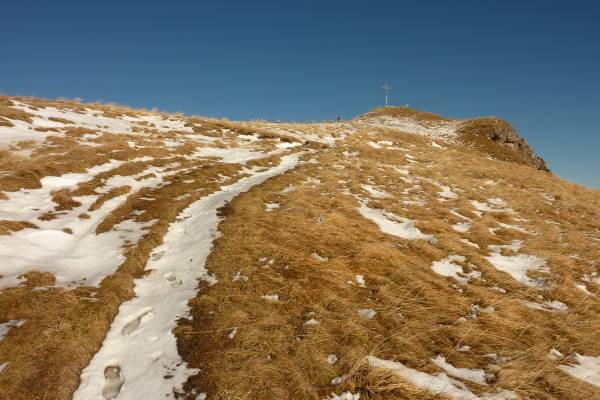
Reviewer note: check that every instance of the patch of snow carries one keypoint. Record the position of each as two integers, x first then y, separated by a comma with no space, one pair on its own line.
553,305
237,276
271,206
462,227
367,313
445,130
497,201
394,225
346,395
287,189
469,243
518,265
585,368
319,258
332,359
513,227
230,155
270,297
440,383
232,334
447,267
583,288
447,193
375,193
474,375
555,355
7,326
360,280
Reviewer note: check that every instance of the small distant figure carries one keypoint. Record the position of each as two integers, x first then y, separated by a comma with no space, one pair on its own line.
338,118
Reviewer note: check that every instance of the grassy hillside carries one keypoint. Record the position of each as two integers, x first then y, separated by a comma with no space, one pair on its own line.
148,255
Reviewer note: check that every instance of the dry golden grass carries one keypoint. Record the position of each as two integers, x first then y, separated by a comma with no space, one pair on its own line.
405,112
66,327
7,227
9,112
274,354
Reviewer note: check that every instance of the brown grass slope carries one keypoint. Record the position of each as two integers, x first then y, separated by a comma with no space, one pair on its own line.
276,355
309,252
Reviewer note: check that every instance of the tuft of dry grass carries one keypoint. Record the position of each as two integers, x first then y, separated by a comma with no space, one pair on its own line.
7,227
7,111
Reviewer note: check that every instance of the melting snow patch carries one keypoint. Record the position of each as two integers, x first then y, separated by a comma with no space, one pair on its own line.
434,129
394,225
585,368
377,194
344,396
360,280
319,258
332,359
447,267
497,201
271,206
555,355
145,363
287,189
484,207
469,243
7,326
474,375
232,334
440,384
230,155
462,227
518,265
553,305
367,313
513,227
583,288
447,193
549,198
463,349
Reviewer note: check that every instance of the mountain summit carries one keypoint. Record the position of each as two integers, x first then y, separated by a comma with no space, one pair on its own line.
492,136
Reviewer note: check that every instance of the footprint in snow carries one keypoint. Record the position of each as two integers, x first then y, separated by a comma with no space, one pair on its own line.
133,325
114,380
172,279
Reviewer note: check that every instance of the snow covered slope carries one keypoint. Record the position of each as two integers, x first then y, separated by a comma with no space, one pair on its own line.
156,256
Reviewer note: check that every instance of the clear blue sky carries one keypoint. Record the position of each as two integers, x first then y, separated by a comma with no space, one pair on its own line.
534,63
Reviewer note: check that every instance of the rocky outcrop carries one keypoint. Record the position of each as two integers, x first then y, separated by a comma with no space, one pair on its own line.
498,138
